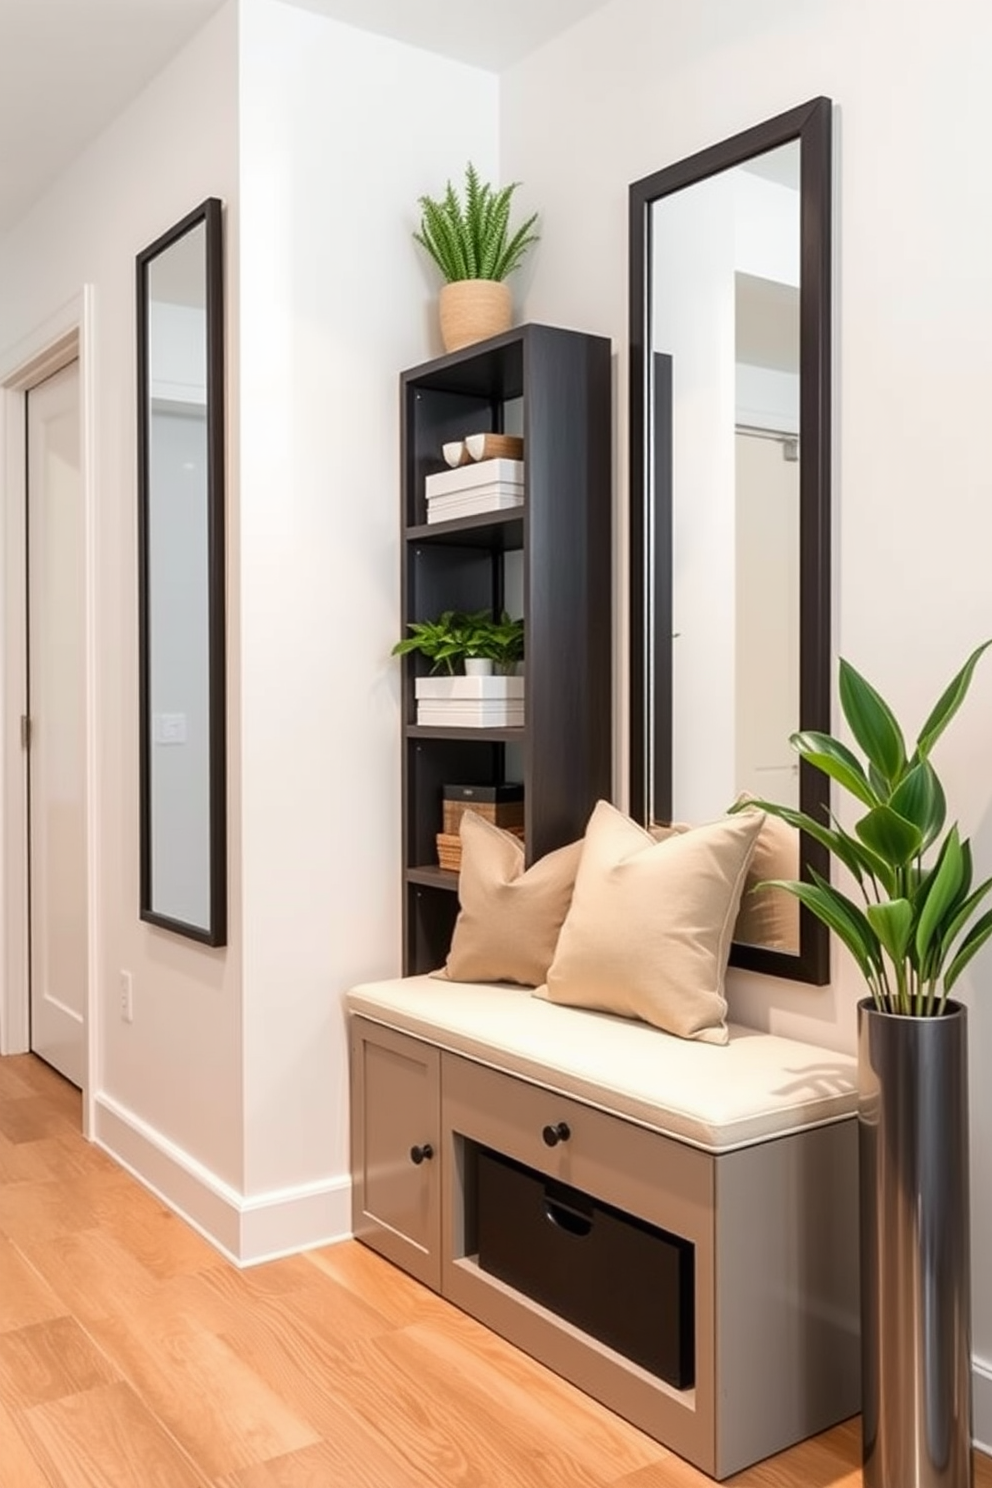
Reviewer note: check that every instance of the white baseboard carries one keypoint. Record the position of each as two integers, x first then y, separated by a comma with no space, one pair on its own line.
249,1230
981,1426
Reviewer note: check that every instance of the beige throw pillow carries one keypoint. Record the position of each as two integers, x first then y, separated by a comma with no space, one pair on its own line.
770,917
509,919
649,928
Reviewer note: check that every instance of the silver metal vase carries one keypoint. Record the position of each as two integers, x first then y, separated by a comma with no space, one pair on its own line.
915,1262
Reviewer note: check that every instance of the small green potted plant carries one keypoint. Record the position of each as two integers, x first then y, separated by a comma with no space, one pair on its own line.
502,642
466,637
470,241
452,638
919,923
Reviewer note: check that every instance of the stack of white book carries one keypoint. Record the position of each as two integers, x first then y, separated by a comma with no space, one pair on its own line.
488,485
470,702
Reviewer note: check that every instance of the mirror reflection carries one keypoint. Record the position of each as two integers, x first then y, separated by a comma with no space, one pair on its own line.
729,490
182,591
727,320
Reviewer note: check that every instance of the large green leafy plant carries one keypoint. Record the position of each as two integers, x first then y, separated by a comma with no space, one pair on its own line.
470,238
918,924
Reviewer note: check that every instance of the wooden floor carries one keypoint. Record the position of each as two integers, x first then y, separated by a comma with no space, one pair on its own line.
133,1356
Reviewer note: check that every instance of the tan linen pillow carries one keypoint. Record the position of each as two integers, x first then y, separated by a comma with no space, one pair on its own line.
648,932
509,919
770,917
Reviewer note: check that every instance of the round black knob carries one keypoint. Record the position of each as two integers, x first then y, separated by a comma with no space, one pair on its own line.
555,1134
421,1154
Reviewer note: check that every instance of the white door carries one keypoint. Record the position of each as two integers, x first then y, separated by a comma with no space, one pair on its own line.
57,877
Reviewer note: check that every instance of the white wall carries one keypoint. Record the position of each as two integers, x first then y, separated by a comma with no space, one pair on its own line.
229,1091
341,132
643,83
175,1073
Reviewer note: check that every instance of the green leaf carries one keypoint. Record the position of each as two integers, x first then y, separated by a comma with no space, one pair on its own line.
949,702
919,799
890,835
842,916
971,944
892,922
872,723
833,758
962,914
939,813
872,864
474,198
878,783
856,859
517,247
942,892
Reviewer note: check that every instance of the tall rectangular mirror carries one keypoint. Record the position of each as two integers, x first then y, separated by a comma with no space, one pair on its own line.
180,331
730,501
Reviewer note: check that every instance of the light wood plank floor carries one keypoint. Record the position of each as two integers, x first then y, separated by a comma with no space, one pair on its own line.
133,1356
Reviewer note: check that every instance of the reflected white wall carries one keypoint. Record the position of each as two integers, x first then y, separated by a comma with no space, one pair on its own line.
693,322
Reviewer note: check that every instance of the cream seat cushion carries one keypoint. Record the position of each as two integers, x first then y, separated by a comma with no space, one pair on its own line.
509,918
649,928
756,1087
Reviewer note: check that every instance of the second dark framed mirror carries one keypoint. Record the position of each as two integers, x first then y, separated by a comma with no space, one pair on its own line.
730,501
180,337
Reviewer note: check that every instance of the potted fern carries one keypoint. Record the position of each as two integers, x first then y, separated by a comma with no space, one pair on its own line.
916,923
470,241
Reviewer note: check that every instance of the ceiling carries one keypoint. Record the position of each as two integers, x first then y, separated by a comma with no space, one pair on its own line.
476,31
68,67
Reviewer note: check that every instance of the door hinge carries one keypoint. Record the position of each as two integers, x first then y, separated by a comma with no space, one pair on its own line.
25,731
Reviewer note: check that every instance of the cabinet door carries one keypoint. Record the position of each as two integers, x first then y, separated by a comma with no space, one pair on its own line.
395,1148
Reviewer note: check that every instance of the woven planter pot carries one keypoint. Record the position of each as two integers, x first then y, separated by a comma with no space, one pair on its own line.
474,309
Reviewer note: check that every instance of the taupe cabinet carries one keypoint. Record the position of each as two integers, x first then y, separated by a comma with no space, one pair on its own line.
772,1226
395,1137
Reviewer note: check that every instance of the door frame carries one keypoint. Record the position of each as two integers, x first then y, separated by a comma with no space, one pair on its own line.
64,338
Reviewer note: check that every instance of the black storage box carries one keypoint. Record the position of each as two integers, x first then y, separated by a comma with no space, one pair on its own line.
625,1282
468,795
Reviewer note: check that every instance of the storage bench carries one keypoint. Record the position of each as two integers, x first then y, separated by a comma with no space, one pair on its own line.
478,1107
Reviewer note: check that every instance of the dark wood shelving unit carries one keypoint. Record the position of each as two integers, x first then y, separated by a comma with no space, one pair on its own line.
554,387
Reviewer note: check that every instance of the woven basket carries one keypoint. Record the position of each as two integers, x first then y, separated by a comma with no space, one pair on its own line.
449,848
506,814
474,309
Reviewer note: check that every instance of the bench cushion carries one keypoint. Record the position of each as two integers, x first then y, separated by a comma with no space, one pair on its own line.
716,1098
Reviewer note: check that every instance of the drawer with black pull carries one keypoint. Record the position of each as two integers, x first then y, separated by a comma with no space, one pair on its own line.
627,1283
639,1171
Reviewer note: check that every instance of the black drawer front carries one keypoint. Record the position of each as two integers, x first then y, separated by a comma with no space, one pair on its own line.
623,1281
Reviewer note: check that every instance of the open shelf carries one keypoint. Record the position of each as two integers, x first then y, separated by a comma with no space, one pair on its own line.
514,734
500,531
433,877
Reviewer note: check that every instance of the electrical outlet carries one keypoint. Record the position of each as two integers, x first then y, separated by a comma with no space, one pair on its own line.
127,1002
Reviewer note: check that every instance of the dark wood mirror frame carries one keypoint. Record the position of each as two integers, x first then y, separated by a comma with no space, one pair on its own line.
651,551
213,931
